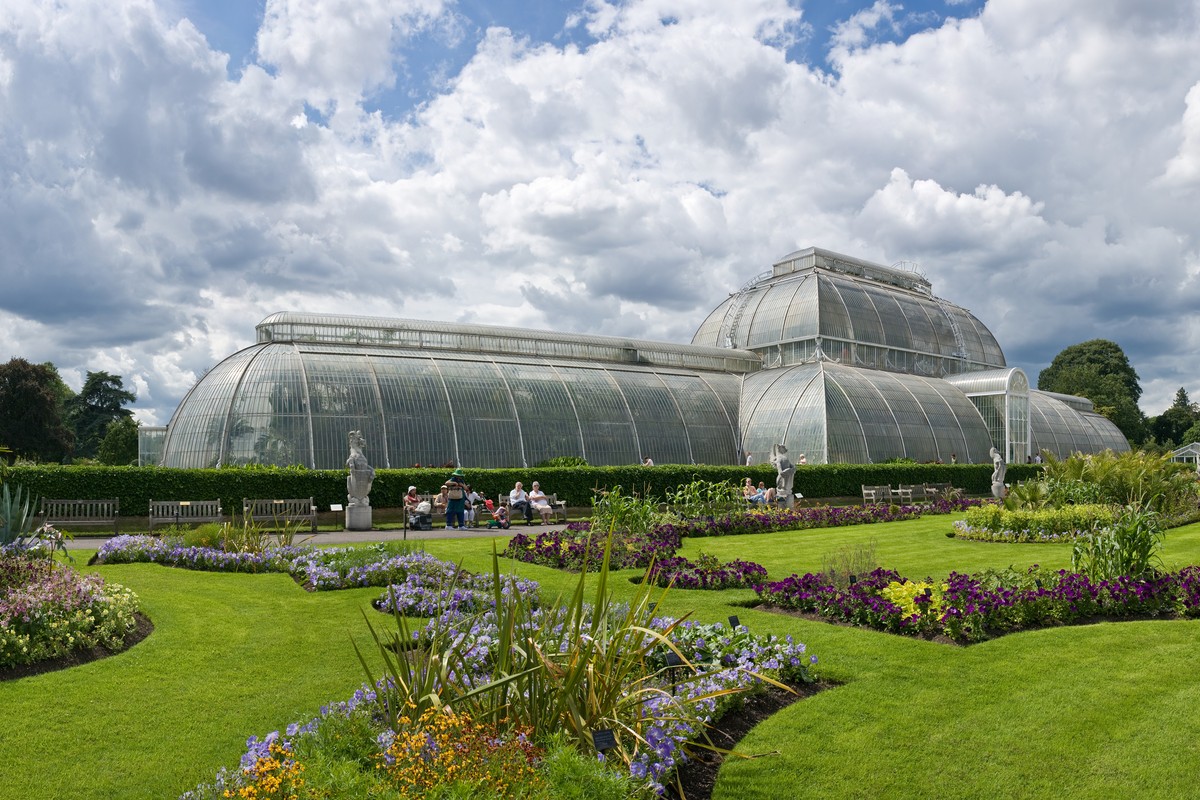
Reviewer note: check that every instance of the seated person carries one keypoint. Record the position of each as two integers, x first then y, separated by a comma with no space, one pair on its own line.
442,500
541,503
499,516
411,500
768,494
518,502
751,494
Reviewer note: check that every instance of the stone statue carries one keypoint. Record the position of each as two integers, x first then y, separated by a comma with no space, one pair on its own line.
358,485
998,469
785,473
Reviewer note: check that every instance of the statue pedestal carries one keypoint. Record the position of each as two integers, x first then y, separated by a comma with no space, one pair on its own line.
358,518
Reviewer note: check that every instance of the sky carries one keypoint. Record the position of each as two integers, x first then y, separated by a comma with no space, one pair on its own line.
173,171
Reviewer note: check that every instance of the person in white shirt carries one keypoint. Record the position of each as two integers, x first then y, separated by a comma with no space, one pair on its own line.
518,500
540,502
647,461
749,459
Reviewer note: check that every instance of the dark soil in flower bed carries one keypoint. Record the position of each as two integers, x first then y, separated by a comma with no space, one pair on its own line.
144,628
698,775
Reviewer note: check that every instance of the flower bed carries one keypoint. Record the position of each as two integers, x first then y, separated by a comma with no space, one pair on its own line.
972,608
577,547
571,548
671,701
706,573
51,612
994,523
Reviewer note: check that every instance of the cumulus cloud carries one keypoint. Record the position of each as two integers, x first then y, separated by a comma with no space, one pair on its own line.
1039,160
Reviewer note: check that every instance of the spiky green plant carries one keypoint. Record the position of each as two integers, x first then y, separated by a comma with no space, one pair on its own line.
16,514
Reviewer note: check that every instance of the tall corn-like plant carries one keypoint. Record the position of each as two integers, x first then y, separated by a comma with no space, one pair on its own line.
612,509
1129,547
702,498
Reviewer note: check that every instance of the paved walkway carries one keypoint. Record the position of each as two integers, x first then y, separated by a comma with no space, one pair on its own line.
354,537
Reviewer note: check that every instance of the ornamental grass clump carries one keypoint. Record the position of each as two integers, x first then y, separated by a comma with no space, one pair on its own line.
570,667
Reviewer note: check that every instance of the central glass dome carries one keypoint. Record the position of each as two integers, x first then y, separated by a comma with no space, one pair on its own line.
816,305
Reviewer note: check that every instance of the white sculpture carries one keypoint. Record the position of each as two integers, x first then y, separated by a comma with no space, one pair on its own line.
785,473
362,474
998,470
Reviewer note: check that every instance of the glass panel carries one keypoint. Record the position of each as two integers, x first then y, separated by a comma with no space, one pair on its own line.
608,433
484,420
420,428
549,427
660,429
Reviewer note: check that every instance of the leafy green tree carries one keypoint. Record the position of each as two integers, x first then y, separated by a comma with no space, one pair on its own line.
1171,426
1100,371
101,400
119,447
1192,434
31,422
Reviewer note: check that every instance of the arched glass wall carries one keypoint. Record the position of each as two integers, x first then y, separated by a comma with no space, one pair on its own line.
1063,430
838,414
293,403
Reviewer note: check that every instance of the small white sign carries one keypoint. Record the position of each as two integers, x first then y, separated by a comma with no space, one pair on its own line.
335,507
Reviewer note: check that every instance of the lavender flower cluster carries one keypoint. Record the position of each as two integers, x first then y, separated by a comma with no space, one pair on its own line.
424,594
707,573
130,549
972,608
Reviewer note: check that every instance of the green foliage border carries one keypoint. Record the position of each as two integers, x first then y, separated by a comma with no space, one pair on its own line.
135,486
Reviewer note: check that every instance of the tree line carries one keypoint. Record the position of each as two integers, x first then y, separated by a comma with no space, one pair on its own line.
42,419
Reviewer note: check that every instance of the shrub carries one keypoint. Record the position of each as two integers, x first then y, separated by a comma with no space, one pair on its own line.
996,523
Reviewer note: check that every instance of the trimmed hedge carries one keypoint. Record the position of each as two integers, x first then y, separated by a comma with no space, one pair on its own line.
135,486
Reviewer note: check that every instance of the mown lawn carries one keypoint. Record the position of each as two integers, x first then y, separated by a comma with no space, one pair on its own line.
1105,710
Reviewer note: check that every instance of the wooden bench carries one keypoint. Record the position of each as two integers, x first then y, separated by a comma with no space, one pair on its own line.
876,494
909,492
184,512
943,490
81,512
299,509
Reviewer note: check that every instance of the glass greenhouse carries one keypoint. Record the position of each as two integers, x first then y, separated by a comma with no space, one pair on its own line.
836,357
476,395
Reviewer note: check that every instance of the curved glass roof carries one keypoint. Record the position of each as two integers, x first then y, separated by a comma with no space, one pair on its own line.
292,326
295,402
870,305
1063,429
834,413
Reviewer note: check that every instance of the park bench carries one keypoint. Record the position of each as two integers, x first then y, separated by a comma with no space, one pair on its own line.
70,513
299,509
943,490
909,492
184,512
876,494
557,507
